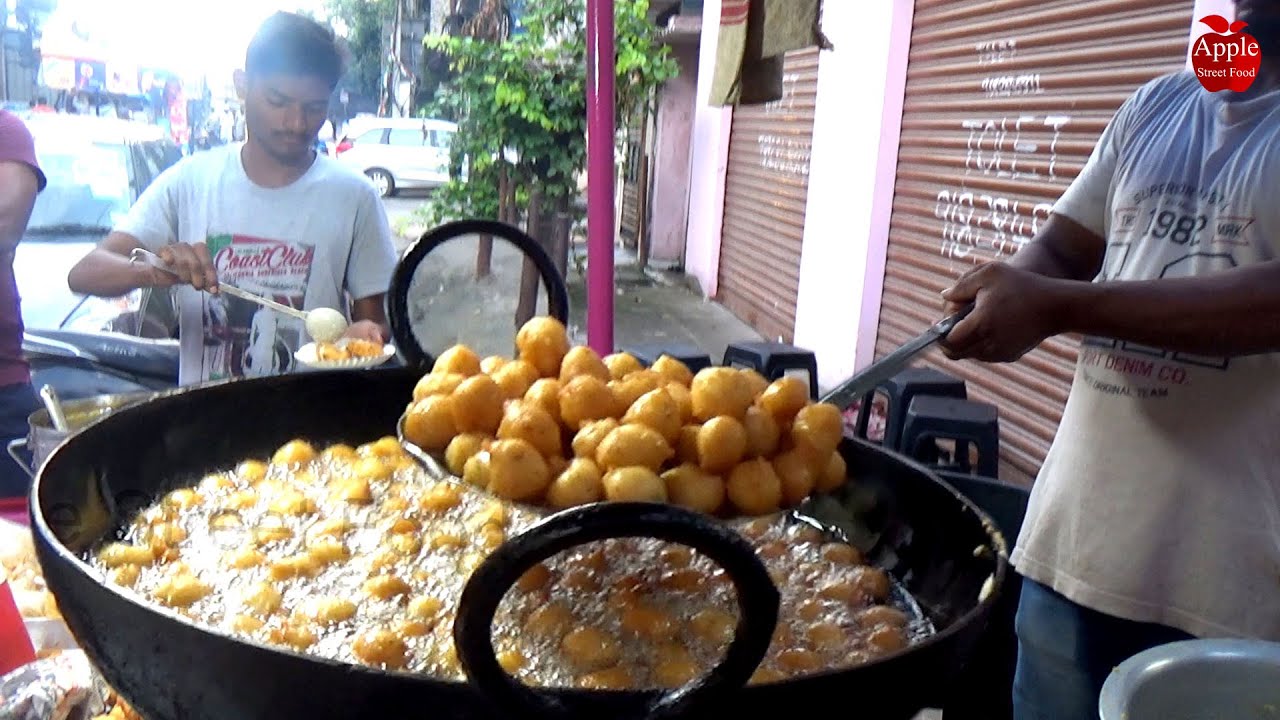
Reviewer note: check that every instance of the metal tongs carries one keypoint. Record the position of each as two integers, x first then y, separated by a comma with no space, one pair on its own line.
857,387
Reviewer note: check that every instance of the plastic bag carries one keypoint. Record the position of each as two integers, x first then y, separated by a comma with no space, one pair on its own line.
62,687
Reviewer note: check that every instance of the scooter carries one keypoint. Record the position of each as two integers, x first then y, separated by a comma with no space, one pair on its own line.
88,364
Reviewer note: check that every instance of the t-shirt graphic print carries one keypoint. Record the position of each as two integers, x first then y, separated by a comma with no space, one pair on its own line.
242,338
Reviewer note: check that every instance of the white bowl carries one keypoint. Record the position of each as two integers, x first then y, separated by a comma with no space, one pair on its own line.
1196,680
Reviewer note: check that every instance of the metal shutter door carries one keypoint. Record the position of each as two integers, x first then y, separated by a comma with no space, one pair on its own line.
1004,103
766,188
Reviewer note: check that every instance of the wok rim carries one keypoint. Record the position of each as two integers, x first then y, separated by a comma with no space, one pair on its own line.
45,536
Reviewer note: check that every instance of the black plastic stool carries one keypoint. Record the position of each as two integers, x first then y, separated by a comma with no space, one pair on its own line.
773,360
691,355
899,391
931,418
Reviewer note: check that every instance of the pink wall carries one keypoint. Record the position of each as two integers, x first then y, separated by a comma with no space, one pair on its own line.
708,163
1225,8
671,166
851,179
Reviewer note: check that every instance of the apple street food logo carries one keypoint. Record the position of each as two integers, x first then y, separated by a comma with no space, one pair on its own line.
1225,59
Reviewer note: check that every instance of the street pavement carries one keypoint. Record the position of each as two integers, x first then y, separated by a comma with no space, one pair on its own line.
449,304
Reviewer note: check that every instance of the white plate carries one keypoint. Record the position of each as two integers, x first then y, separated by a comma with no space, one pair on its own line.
307,356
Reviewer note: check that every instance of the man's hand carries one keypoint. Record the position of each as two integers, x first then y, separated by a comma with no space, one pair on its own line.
366,330
192,265
1015,310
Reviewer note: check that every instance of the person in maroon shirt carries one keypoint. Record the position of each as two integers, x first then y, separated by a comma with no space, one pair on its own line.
20,180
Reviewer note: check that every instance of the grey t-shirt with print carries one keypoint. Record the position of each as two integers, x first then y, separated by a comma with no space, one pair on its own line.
306,245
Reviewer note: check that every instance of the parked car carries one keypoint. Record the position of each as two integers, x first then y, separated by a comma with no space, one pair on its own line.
398,153
96,168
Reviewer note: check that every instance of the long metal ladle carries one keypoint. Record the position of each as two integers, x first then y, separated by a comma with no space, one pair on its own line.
323,324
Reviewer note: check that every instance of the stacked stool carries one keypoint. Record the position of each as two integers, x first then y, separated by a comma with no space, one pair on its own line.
899,391
930,418
774,360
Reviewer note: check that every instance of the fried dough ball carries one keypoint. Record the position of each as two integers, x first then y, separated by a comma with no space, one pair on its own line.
684,399
634,484
589,648
437,384
633,445
722,442
621,365
720,391
763,432
833,476
579,484
458,359
797,476
531,423
462,448
754,487
692,487
430,422
491,363
294,452
784,398
757,382
477,405
817,430
687,444
543,342
586,398
475,470
630,388
545,393
517,471
515,378
587,440
658,410
673,370
582,360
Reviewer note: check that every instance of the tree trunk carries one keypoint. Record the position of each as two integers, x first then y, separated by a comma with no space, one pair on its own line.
561,228
530,281
484,253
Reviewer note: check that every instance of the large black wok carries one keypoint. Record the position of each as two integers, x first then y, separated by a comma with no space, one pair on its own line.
945,551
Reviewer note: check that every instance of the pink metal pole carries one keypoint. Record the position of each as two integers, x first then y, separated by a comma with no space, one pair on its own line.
600,174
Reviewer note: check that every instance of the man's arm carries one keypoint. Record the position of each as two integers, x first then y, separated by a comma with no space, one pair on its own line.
107,272
370,311
370,267
1062,248
1234,312
151,223
18,186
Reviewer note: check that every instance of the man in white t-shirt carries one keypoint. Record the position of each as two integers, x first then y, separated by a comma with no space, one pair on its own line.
1156,515
270,216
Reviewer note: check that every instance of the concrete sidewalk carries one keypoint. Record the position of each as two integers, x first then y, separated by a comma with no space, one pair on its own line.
658,307
450,305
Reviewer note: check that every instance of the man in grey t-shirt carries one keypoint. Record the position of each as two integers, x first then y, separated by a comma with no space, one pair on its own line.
270,216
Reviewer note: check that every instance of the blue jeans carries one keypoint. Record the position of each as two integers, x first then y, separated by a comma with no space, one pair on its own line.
17,402
1066,651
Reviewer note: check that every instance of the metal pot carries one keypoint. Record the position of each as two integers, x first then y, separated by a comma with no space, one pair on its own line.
1196,679
42,438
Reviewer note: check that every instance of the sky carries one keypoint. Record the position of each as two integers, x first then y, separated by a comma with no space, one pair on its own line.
189,36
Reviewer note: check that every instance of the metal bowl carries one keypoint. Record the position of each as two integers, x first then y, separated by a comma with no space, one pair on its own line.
1196,680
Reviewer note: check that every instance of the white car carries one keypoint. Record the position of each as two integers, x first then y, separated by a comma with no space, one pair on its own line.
398,153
